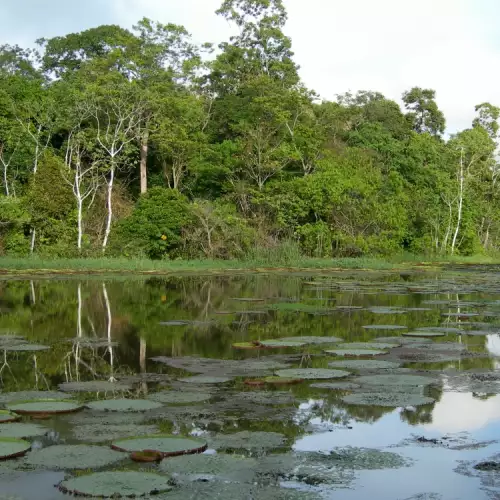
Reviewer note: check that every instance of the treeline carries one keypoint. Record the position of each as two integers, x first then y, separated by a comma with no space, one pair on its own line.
141,143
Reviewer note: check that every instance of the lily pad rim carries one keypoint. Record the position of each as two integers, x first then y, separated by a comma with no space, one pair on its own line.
200,449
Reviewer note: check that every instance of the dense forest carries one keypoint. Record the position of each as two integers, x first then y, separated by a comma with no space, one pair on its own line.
141,143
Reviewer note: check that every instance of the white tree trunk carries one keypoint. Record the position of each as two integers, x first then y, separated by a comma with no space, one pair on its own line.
460,202
109,218
5,178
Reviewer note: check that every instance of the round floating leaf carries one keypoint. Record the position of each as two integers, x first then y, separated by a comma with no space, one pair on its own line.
246,345
13,448
438,329
355,352
146,456
168,446
77,456
263,397
424,333
10,397
282,380
460,315
7,416
277,343
177,397
398,341
101,432
313,340
25,348
339,386
44,407
368,345
246,440
363,364
219,466
117,484
20,430
94,386
384,327
124,405
396,399
394,380
205,379
312,373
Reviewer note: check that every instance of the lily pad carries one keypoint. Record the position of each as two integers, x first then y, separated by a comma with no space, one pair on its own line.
363,364
10,397
13,448
124,405
44,407
384,327
282,380
76,456
116,484
277,343
263,397
395,380
313,340
424,333
438,329
21,430
97,433
247,440
368,345
364,459
94,386
205,379
25,348
339,386
395,400
217,467
176,397
398,341
354,352
7,416
246,345
312,373
168,446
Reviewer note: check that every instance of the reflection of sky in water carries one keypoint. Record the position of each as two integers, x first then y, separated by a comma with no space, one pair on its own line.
433,467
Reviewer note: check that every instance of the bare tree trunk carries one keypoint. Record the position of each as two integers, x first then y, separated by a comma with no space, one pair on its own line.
109,218
460,202
33,237
109,324
5,179
144,161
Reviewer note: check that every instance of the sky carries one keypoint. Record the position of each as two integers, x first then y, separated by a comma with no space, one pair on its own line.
451,46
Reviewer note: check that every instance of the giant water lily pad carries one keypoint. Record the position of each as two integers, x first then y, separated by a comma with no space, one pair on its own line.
394,380
354,352
277,343
24,347
218,467
168,446
363,459
395,399
205,379
247,440
13,448
384,327
424,333
312,373
363,364
116,484
10,397
367,345
177,397
246,345
97,433
263,397
124,405
95,386
313,340
402,340
77,456
20,430
44,407
282,381
7,416
336,386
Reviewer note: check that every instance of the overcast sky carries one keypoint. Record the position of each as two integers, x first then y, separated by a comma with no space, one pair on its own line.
452,46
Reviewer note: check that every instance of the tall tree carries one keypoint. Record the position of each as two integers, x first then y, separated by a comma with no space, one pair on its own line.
423,112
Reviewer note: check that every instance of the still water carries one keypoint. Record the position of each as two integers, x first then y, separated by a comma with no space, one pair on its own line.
147,335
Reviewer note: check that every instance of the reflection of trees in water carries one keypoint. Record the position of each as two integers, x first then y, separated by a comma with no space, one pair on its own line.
417,415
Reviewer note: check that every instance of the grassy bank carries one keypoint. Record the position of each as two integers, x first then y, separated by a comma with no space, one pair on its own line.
36,265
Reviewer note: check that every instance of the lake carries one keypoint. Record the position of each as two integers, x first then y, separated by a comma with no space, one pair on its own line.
353,385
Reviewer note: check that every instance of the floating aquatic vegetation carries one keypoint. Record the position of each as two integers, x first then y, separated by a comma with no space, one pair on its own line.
313,339
7,416
177,397
44,407
384,327
175,323
116,484
10,397
312,373
247,299
219,467
13,448
123,405
362,459
246,345
336,386
424,333
441,329
205,379
364,364
394,380
247,440
282,380
24,347
76,456
460,315
403,340
395,399
277,343
21,430
263,397
354,352
485,470
304,308
386,310
168,446
95,386
88,417
367,345
100,433
146,456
